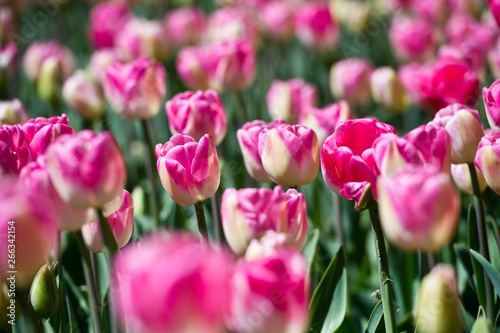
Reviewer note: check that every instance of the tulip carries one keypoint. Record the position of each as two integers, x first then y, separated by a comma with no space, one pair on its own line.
392,153
270,294
412,39
269,244
30,219
324,121
44,295
438,303
495,10
12,112
248,213
491,97
464,128
419,208
248,139
278,20
409,76
121,221
106,20
448,81
8,60
196,114
186,289
347,159
461,27
350,80
194,65
468,52
140,37
487,159
35,177
87,169
287,99
232,24
315,26
14,149
461,176
136,90
84,96
387,90
353,15
290,154
189,171
37,55
101,60
184,26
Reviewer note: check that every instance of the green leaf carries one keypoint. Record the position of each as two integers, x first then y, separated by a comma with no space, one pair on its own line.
473,242
467,318
492,273
311,247
492,242
338,306
375,318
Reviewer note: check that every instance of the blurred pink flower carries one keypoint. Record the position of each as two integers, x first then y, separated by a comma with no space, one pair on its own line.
315,26
232,24
278,19
101,60
14,150
84,95
106,20
412,39
350,80
38,53
491,98
487,159
184,26
12,112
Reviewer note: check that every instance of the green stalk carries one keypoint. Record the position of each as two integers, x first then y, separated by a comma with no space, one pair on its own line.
150,160
107,236
383,272
202,223
483,240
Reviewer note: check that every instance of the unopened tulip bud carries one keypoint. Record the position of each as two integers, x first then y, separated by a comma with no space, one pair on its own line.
353,15
315,26
438,304
44,295
40,52
189,171
290,154
387,90
430,221
461,176
488,159
84,96
350,80
12,112
491,97
196,114
409,76
184,26
194,65
495,10
49,80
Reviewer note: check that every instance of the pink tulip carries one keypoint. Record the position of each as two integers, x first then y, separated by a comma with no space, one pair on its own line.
28,217
101,60
106,20
12,112
487,159
461,176
84,96
35,178
290,154
448,81
142,38
409,76
412,39
232,24
491,97
189,171
287,99
38,54
347,159
350,80
14,149
121,222
315,26
9,54
270,294
464,128
185,25
392,153
466,51
171,284
387,90
324,121
278,19
249,213
137,89
419,208
248,139
87,169
463,27
196,114
495,10
8,25
194,64
494,60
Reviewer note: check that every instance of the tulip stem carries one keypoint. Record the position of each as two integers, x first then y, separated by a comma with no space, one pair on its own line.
383,272
483,240
150,161
107,236
95,304
202,223
216,217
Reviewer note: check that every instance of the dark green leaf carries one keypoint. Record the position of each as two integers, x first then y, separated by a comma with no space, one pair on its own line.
375,318
311,247
492,273
338,306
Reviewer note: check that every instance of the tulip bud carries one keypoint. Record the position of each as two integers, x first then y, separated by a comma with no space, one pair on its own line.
87,169
324,121
232,24
121,221
248,139
287,99
191,286
487,159
315,26
468,52
49,80
430,221
412,39
84,96
137,89
12,112
44,295
387,90
184,26
270,294
277,18
189,171
194,65
350,80
40,52
491,97
106,20
101,60
461,176
290,154
15,150
196,114
353,15
438,306
464,128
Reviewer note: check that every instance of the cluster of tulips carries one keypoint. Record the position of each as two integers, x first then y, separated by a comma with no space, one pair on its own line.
256,266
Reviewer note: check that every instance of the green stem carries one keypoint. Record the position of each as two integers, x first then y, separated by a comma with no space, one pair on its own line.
107,236
150,160
202,223
494,222
483,240
95,302
216,217
383,272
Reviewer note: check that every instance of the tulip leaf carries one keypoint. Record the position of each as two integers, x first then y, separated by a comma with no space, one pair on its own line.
338,306
473,242
467,318
464,263
492,273
492,242
310,248
375,318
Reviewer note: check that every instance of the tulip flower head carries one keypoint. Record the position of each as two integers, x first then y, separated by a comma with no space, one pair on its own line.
350,80
491,97
185,25
315,26
487,159
461,176
84,96
12,112
106,20
412,39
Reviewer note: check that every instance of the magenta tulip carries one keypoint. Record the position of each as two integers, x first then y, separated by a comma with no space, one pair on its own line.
350,80
106,20
412,39
495,9
101,60
491,97
315,26
278,19
185,26
14,150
